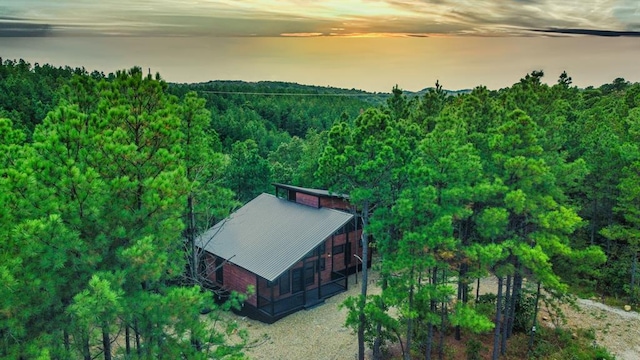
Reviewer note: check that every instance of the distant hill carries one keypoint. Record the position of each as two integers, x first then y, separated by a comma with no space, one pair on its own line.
277,87
425,90
280,88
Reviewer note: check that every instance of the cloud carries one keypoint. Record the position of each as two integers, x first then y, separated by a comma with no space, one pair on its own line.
22,29
592,32
301,34
628,13
277,17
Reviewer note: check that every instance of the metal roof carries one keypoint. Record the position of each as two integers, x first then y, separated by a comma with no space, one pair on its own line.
268,235
311,191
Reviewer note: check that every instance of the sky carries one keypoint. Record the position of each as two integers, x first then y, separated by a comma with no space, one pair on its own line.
366,44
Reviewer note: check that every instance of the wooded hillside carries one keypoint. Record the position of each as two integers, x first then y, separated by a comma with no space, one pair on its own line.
105,180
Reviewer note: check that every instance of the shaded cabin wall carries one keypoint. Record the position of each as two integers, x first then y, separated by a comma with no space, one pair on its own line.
345,246
234,278
239,279
314,265
333,263
210,265
335,203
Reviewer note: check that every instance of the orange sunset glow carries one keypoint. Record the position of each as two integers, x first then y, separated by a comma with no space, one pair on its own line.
365,44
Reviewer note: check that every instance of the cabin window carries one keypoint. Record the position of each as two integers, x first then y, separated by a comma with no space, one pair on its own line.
347,255
338,249
309,275
322,248
296,280
322,263
285,284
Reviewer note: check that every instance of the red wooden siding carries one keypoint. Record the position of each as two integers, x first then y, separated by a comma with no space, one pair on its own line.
210,263
234,277
239,279
306,199
334,203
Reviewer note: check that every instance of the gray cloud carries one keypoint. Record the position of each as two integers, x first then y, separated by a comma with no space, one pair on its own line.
628,12
272,18
592,32
22,29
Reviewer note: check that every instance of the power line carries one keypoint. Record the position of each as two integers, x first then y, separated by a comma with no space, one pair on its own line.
284,94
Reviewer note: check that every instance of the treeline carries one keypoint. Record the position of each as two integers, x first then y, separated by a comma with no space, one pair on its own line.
105,181
536,185
99,209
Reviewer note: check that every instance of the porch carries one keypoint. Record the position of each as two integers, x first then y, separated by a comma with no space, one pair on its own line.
277,308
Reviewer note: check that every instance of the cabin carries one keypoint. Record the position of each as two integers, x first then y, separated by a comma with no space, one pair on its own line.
295,248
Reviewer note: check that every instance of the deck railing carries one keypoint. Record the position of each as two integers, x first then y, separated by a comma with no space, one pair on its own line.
300,299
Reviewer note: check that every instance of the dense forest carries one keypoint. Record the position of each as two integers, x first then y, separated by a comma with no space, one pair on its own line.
106,180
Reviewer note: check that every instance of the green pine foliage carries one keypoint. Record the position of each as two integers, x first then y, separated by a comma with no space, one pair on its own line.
94,222
105,182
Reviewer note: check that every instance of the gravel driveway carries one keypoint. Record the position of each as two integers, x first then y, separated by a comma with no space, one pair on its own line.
616,329
319,333
316,333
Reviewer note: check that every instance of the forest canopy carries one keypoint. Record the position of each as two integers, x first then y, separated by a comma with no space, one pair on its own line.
106,180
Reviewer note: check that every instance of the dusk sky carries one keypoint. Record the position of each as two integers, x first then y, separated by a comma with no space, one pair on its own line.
366,44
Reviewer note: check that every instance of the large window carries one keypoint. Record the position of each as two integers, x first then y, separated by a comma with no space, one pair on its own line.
347,254
338,249
318,251
309,274
296,280
285,283
322,248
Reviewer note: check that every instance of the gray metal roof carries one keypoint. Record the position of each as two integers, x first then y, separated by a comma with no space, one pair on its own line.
268,235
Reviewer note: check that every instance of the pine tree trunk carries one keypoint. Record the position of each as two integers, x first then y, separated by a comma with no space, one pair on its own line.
462,292
191,235
443,314
516,296
377,352
365,279
507,314
127,340
478,286
534,320
106,342
85,348
634,266
458,335
443,330
432,309
407,355
594,221
66,341
136,330
496,334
